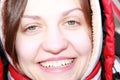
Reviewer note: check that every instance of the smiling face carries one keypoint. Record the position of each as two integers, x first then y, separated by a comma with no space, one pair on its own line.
53,41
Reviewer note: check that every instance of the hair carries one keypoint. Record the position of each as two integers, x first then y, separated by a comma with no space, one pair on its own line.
87,11
12,12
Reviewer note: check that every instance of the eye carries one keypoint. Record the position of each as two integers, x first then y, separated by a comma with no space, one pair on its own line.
72,23
31,28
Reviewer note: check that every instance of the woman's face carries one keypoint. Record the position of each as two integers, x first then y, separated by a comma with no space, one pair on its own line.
53,41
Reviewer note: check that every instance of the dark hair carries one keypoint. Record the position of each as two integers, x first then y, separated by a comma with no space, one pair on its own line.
12,12
87,10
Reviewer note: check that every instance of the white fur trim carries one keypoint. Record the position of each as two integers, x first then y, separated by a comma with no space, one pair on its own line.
97,36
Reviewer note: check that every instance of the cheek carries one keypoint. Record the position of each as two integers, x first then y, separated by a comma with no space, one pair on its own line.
26,48
81,42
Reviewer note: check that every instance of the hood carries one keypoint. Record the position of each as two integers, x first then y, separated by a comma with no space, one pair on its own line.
102,24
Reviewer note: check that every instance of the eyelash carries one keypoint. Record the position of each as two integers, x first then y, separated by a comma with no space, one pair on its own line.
68,24
72,23
32,29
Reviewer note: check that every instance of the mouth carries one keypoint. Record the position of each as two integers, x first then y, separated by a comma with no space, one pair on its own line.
59,65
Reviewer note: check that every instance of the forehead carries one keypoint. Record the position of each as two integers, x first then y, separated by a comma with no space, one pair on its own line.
51,6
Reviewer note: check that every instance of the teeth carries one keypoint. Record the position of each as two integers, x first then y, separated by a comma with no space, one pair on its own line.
57,64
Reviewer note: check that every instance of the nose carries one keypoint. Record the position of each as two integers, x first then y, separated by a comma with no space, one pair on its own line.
54,42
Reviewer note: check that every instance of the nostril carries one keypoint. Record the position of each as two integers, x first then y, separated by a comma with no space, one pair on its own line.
54,41
54,47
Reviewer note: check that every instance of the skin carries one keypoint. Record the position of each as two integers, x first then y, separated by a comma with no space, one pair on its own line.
53,30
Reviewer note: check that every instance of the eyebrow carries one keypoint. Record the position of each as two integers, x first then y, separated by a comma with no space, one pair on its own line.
35,17
69,11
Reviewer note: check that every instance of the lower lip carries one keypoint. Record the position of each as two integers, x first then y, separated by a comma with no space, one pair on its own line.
59,70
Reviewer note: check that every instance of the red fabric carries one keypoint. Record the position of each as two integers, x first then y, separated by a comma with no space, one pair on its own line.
16,75
1,70
109,48
95,71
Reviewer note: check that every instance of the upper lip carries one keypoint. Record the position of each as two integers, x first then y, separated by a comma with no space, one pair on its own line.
56,59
